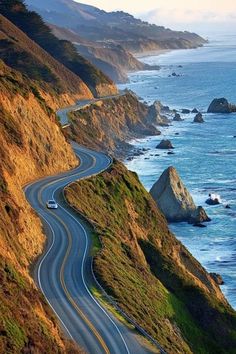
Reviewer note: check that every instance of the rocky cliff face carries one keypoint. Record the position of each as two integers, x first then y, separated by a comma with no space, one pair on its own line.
150,274
111,122
173,198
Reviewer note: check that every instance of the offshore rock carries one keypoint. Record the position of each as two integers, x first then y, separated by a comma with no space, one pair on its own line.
198,118
174,200
177,118
221,105
214,199
165,145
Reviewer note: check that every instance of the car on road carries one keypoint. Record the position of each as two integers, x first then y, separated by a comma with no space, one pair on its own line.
51,204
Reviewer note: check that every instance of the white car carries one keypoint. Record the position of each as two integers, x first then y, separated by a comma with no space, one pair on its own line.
51,204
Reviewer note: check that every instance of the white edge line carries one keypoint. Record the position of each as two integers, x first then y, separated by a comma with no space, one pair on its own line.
39,276
85,252
85,285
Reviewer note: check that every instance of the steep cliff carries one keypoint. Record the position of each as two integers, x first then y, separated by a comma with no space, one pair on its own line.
150,274
111,122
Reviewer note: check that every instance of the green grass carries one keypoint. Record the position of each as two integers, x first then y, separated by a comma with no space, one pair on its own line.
15,335
96,244
14,276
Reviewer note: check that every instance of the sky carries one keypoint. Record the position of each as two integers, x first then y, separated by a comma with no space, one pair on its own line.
197,15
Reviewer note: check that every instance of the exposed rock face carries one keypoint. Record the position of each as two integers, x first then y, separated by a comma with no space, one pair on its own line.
107,124
177,118
195,110
198,118
174,200
217,278
221,105
165,145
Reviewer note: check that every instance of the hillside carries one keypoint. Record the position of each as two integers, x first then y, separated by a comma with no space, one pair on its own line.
63,51
117,27
111,123
112,59
21,53
150,274
31,146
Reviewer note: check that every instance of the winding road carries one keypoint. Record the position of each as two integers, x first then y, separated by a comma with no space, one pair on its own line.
64,273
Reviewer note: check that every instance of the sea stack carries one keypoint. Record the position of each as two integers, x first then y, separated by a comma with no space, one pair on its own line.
174,200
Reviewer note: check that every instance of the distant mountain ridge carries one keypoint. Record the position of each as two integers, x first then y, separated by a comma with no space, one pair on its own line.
109,40
119,27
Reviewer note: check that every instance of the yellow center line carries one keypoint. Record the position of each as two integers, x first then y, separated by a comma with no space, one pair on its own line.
62,279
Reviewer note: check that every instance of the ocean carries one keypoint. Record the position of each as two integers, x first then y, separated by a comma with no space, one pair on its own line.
205,154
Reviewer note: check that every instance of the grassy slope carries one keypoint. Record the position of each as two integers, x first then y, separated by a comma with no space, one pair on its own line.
148,272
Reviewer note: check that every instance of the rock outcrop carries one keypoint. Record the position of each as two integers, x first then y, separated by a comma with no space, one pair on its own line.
198,118
107,125
165,145
156,114
221,105
174,200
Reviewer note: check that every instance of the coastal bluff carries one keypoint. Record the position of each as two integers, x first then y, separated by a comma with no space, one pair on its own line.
174,200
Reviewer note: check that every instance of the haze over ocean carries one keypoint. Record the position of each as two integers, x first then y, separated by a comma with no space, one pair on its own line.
205,154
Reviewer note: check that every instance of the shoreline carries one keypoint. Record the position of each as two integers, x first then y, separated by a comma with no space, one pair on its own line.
213,263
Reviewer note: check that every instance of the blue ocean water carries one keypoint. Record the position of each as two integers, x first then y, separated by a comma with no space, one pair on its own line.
205,154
